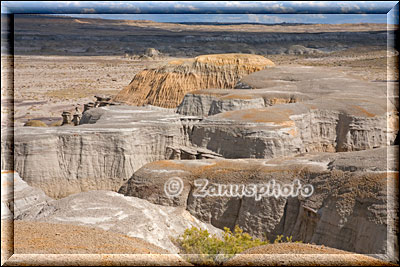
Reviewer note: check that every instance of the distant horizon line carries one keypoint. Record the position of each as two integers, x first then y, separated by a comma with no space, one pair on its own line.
193,22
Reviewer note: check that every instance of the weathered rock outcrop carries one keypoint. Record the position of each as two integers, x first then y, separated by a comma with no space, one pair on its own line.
213,101
347,209
17,197
102,153
332,112
101,209
166,86
284,130
329,114
131,216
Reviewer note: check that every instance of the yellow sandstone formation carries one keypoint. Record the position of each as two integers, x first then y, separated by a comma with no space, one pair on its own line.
166,86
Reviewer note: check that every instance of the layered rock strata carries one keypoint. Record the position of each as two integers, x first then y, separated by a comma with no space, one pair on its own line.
347,209
166,86
294,110
322,113
209,102
101,153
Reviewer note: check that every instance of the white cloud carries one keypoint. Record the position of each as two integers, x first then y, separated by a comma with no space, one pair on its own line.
88,10
70,3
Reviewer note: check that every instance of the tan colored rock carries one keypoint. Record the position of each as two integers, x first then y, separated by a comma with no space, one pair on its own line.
167,85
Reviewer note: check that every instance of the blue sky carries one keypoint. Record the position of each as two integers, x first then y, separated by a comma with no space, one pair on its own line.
218,11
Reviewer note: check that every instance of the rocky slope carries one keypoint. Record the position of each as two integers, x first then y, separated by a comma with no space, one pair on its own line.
51,238
285,130
346,209
38,244
104,210
166,86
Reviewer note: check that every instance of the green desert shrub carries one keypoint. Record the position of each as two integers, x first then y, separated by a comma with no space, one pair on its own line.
35,123
288,239
201,248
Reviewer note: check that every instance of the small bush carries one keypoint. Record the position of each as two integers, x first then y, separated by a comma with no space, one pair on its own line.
288,239
35,123
201,248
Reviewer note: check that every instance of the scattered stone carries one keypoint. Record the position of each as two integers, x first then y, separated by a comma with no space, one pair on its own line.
66,115
88,106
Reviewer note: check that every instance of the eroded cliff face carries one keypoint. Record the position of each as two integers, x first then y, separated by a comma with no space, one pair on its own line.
166,86
209,102
70,159
319,113
274,133
346,210
285,129
293,110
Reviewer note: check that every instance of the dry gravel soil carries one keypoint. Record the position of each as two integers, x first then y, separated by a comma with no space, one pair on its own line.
116,249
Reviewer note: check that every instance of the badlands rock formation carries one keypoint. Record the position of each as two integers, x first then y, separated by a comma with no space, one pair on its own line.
102,155
285,128
213,101
347,209
105,210
17,197
166,86
326,111
331,112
